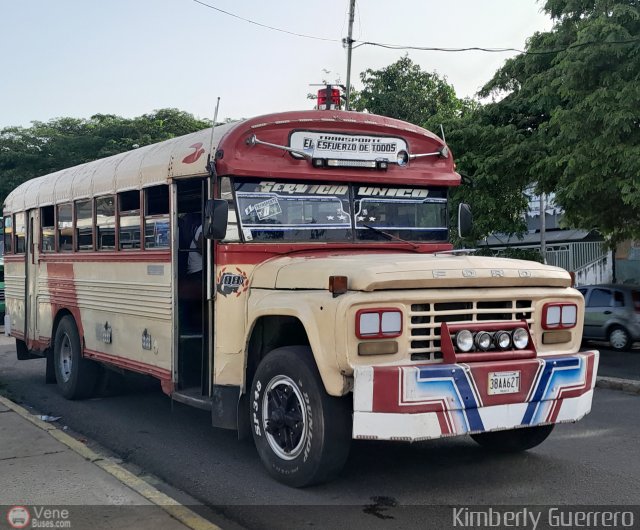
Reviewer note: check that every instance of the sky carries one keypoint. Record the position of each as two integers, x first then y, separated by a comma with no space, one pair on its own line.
129,57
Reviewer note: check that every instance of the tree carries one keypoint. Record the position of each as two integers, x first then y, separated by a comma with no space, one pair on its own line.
404,91
28,152
574,98
482,150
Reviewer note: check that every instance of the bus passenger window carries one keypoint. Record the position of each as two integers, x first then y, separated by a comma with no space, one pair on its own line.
84,225
156,217
8,234
106,223
129,214
21,232
48,229
232,234
65,228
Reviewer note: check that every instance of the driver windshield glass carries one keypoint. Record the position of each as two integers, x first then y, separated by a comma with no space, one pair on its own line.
414,214
271,211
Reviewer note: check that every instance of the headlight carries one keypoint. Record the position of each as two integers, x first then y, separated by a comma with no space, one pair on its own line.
483,340
559,316
464,340
520,338
503,340
378,323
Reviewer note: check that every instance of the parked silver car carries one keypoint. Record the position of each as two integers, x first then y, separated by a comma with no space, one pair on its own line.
612,313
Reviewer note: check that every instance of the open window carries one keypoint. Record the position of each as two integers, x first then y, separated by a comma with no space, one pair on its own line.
84,225
106,223
48,228
65,228
156,217
21,233
129,215
8,234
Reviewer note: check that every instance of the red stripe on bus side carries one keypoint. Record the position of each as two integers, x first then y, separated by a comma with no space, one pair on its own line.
63,291
128,364
110,257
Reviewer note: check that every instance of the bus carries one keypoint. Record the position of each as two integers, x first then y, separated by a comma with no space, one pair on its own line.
291,273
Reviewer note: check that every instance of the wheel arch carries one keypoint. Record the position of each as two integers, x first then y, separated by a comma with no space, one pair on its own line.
284,328
60,314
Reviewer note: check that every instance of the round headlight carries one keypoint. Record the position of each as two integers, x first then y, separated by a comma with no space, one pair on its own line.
464,340
520,338
483,340
403,158
503,340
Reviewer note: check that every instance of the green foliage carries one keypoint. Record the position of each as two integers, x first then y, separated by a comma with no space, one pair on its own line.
28,152
577,111
403,91
483,151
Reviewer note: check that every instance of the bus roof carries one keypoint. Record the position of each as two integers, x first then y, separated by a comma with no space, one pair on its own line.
186,156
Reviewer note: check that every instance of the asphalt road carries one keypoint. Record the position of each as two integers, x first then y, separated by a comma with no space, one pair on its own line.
384,485
624,365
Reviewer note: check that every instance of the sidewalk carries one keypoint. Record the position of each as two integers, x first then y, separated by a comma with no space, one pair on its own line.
41,467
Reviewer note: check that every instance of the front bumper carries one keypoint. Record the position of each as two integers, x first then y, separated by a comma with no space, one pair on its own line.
420,402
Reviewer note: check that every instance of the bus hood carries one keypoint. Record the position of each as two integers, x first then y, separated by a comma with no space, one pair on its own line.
376,271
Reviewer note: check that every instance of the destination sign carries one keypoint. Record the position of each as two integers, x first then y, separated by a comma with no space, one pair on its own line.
347,146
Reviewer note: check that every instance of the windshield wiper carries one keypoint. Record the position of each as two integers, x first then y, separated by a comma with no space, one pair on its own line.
390,236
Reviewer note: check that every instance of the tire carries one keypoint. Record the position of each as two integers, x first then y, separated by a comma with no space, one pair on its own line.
302,434
514,440
619,338
76,376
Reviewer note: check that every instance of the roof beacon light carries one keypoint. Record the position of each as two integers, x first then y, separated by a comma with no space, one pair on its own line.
329,98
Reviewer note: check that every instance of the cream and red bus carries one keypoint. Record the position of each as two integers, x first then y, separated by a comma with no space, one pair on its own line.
328,305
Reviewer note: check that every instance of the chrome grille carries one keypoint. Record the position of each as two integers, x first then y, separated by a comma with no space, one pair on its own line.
425,321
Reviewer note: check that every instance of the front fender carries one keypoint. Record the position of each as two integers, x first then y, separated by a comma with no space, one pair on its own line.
316,311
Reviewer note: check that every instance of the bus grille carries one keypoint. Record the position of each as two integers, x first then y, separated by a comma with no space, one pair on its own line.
426,320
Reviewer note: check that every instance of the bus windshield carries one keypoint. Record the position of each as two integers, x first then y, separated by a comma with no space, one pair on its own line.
306,211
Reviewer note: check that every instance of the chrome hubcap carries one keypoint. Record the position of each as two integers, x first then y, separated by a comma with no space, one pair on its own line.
66,360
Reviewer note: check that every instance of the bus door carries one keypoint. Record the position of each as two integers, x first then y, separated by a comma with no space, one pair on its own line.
31,273
192,358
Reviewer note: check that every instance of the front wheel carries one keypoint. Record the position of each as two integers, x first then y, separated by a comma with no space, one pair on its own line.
514,440
76,376
302,434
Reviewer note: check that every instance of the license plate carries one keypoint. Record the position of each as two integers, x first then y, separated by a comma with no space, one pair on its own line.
504,382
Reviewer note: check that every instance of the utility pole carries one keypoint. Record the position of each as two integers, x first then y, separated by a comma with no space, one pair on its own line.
349,42
543,229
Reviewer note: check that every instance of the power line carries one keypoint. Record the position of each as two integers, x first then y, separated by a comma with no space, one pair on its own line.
265,25
495,50
424,48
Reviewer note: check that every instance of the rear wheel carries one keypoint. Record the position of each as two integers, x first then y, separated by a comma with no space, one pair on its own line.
302,434
76,376
619,338
514,440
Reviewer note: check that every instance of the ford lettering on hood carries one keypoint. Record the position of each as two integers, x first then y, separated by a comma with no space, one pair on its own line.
371,272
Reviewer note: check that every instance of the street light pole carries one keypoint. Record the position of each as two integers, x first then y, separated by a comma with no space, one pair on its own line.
349,42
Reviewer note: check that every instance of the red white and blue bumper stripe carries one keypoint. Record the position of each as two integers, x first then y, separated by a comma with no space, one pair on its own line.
418,402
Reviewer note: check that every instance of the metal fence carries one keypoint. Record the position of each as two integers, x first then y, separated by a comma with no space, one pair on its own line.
574,256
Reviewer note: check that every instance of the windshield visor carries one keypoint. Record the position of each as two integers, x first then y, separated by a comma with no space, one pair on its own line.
300,211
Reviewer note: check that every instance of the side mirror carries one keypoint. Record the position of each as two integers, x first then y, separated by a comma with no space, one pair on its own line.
216,215
465,220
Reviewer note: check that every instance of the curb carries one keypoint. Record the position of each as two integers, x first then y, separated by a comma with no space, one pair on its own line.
176,510
615,383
